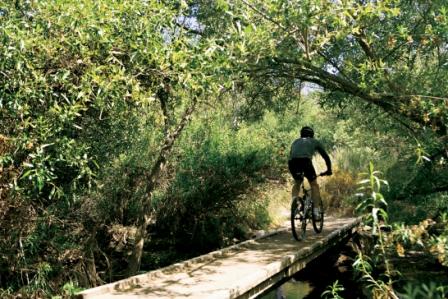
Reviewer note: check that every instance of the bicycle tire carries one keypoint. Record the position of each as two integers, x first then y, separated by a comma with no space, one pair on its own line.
297,220
318,224
304,220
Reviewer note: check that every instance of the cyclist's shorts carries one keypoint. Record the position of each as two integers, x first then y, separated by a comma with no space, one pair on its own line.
300,167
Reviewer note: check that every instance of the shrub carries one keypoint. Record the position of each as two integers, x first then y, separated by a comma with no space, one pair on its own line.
210,201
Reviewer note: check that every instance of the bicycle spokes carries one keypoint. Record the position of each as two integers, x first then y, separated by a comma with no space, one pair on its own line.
298,219
318,220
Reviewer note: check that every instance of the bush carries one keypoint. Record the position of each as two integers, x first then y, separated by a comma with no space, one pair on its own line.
210,201
81,86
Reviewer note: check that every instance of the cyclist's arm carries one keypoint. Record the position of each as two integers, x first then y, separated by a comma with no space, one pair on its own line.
325,156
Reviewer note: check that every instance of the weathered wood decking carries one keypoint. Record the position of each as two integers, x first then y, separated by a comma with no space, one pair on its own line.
241,271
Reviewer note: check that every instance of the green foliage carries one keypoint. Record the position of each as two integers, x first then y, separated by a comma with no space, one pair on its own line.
333,291
417,209
430,290
379,64
214,196
77,70
438,244
41,278
6,293
428,238
206,205
372,201
87,89
91,91
71,288
367,51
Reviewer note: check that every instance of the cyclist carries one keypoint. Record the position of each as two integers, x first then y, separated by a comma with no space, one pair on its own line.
300,165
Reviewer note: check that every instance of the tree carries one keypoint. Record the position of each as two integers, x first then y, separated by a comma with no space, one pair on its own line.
80,83
391,54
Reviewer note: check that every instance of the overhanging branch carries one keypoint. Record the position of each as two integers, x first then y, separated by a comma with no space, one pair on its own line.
304,70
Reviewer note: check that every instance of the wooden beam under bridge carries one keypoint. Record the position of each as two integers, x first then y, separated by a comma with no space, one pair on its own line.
244,270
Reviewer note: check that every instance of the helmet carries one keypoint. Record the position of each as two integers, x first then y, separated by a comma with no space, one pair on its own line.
306,132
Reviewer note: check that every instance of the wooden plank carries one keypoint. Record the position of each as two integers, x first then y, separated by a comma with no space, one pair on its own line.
241,271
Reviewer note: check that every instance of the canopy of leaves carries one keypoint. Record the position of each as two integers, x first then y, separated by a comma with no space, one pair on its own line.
390,54
72,71
85,85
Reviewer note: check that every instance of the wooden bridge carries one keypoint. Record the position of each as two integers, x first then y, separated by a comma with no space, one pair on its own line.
244,270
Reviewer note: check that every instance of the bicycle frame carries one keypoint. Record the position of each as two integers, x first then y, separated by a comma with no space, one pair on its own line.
302,212
307,203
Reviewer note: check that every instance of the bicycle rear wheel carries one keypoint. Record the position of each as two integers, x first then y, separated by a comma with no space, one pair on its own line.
298,221
318,223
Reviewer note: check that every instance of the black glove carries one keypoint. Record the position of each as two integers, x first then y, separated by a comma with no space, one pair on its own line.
328,172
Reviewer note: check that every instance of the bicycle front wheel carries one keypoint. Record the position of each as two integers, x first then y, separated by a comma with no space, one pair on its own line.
318,220
298,221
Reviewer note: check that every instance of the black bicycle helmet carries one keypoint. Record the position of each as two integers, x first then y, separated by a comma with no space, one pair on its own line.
306,132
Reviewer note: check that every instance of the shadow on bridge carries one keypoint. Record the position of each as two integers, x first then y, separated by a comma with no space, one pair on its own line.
240,271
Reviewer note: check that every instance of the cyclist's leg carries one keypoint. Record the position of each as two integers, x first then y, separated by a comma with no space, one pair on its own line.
315,192
315,195
296,172
296,188
310,174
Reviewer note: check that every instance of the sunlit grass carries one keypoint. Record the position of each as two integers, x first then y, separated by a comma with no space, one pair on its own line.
279,204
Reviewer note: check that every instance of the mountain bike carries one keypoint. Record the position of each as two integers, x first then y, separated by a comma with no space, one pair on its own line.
302,212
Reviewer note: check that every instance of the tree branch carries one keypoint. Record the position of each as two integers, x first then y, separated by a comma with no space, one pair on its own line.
361,39
152,177
281,26
306,71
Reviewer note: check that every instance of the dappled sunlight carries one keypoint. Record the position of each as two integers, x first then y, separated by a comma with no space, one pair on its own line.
137,134
234,270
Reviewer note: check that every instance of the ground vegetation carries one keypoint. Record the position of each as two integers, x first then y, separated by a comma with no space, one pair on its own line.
134,134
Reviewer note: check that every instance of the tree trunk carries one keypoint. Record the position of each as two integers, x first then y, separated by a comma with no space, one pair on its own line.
147,214
135,258
90,266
